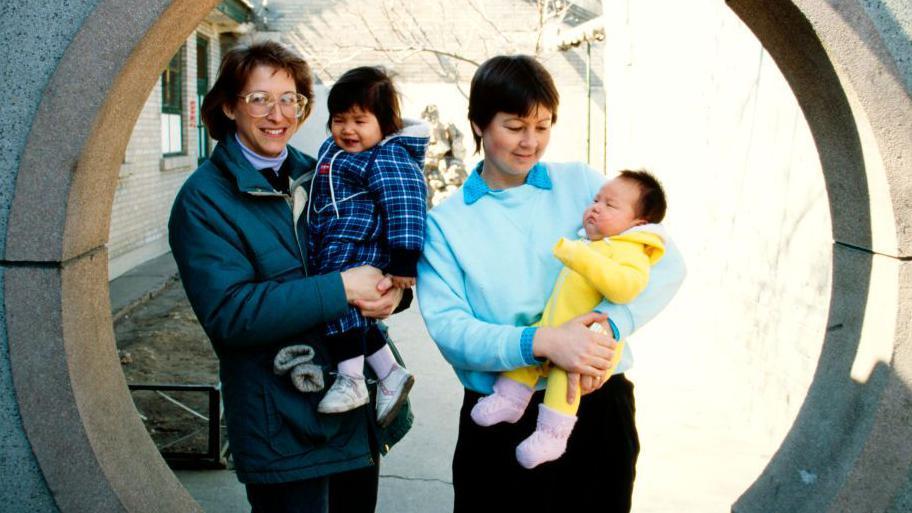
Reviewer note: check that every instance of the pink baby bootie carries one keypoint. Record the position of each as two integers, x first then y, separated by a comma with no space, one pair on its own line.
506,404
549,441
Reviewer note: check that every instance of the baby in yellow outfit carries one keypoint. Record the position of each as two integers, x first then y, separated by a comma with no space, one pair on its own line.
623,240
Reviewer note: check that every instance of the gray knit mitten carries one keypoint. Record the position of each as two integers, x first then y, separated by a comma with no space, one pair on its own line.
305,376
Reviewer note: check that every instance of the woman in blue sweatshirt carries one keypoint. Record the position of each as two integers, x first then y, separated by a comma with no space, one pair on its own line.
483,281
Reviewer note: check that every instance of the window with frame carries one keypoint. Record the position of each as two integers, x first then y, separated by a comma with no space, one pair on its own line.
202,87
172,111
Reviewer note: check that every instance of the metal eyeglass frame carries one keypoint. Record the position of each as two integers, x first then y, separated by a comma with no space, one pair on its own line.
271,102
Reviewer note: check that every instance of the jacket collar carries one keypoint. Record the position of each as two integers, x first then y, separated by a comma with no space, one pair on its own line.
475,187
229,157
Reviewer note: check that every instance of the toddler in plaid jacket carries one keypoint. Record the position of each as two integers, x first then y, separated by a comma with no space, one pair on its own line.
367,206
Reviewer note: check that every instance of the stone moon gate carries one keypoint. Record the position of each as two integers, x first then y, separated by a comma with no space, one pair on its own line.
76,75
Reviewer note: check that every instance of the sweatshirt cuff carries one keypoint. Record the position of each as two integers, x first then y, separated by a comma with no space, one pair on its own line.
525,347
404,262
614,330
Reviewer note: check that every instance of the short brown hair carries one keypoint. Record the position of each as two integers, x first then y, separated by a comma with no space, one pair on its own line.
371,89
652,204
236,67
515,84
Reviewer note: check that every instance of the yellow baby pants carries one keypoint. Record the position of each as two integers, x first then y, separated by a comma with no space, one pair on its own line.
556,390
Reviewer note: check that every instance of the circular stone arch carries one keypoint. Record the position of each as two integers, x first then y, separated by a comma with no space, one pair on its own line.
851,436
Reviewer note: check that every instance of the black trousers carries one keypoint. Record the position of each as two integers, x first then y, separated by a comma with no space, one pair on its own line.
348,492
355,343
598,468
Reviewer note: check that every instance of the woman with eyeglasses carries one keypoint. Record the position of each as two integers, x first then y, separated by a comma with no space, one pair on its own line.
240,244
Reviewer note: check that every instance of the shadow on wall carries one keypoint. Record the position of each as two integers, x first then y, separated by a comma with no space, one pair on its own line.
847,450
837,413
883,20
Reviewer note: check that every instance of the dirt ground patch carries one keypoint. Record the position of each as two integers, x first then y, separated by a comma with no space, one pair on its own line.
161,342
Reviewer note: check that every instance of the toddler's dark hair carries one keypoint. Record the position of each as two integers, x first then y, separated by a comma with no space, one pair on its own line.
652,205
371,89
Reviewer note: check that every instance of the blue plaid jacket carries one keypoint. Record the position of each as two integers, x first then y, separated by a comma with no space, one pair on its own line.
368,208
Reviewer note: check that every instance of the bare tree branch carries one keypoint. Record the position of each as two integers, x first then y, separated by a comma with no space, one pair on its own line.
394,30
489,21
549,12
367,26
413,50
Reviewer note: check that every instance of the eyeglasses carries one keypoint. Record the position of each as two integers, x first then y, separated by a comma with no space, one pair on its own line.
260,103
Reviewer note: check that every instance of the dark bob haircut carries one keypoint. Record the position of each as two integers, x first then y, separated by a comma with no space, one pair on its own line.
515,84
371,89
235,69
651,206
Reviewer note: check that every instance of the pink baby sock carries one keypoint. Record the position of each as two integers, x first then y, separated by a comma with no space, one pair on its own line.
549,441
382,361
506,404
353,367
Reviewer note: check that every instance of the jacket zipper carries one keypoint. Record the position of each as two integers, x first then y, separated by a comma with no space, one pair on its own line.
289,202
298,194
298,242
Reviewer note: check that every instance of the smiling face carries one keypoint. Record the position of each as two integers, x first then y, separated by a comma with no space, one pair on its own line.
512,145
355,130
266,136
613,210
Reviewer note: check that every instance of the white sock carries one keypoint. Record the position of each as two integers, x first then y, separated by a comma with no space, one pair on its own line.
353,367
382,361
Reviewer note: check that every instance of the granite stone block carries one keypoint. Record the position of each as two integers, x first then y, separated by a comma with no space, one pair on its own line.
33,38
76,409
23,482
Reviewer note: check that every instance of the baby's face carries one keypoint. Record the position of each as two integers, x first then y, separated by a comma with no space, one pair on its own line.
356,130
613,209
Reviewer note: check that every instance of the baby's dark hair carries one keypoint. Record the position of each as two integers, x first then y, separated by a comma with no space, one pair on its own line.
371,89
651,206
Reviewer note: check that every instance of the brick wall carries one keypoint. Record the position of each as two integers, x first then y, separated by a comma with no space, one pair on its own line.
148,182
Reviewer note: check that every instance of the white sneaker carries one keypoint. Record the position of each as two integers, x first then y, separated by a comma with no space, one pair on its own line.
391,394
345,394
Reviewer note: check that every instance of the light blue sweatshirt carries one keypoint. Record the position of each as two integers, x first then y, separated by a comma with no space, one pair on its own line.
487,269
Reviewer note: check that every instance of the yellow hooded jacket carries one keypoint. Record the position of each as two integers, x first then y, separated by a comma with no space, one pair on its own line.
615,268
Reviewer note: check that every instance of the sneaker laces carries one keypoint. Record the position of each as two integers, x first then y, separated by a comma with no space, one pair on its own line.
367,380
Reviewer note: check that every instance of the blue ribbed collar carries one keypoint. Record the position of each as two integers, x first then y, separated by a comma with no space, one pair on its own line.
475,187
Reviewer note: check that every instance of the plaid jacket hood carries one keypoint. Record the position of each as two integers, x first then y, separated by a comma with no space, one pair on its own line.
366,207
369,208
400,151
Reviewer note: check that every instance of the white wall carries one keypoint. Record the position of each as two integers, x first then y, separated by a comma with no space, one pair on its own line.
693,97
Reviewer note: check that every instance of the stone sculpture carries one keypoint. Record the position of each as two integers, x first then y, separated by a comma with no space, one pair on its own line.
444,169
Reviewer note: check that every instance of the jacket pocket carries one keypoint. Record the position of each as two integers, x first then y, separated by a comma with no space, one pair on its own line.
292,422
